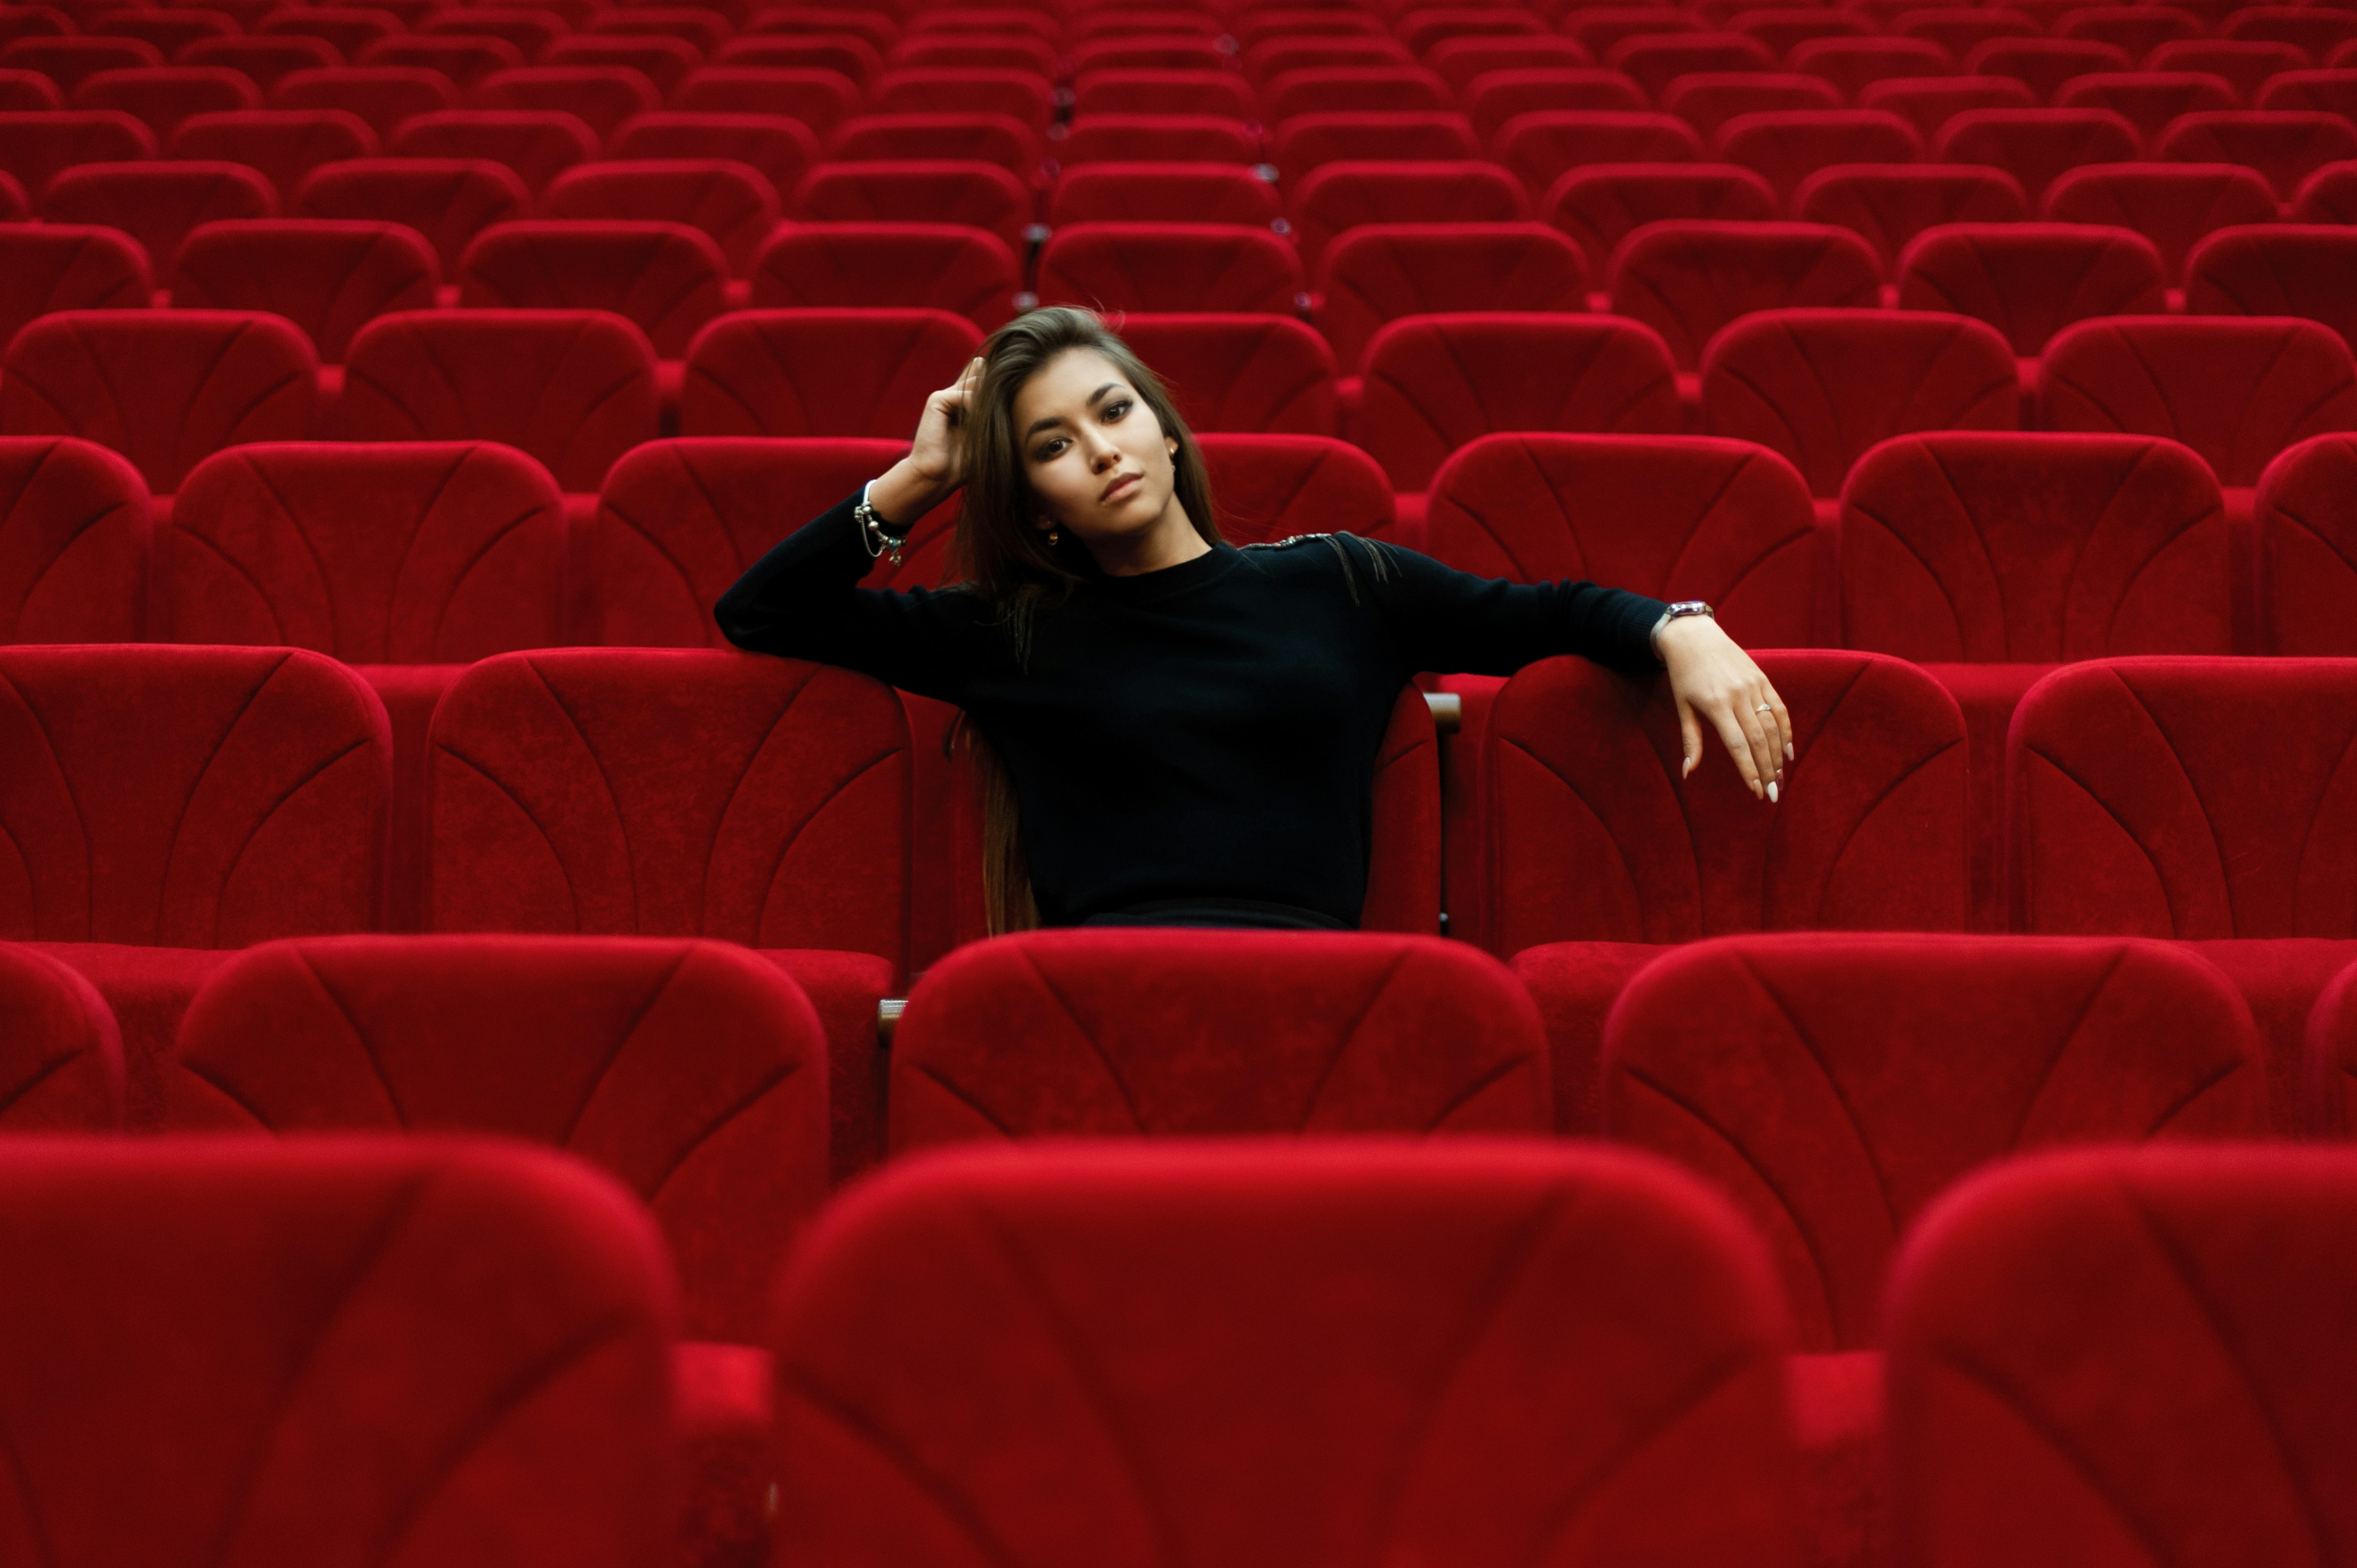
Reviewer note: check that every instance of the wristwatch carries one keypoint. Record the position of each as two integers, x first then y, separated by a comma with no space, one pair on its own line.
872,530
1681,608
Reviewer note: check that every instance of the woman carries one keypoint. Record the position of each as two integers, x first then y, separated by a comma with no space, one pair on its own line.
1190,729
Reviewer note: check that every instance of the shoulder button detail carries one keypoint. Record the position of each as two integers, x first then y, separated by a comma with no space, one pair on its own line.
1290,538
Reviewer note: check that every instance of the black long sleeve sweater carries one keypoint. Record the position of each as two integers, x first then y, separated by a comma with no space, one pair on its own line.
1206,731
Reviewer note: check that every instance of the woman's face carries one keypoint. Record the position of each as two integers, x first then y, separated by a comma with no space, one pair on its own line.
1098,463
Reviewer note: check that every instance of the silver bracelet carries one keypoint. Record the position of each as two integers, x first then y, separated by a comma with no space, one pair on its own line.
872,532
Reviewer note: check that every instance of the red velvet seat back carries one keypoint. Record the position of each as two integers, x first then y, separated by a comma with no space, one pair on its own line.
329,277
1378,273
2035,145
1678,517
1708,99
188,796
2129,1357
1686,280
1887,205
575,389
1307,141
893,266
161,96
1098,138
61,1054
1484,1356
2278,269
2196,797
843,373
1170,267
73,543
603,96
665,278
1788,145
2031,280
2147,99
2330,1076
158,204
1337,197
693,1071
1254,374
1543,146
2308,539
671,793
1599,205
1821,387
2033,549
35,144
780,147
1268,488
167,389
1020,95
1435,383
62,266
816,97
1854,64
1592,837
455,1354
1931,101
1833,1085
1350,89
383,97
536,145
937,191
1169,192
1115,1033
449,201
2172,205
992,138
2285,145
409,553
2236,391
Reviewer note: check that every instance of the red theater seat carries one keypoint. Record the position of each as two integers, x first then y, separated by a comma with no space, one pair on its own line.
2278,269
448,200
2149,100
1170,267
1269,487
1354,89
158,203
1339,197
1544,146
2246,63
1163,90
1784,28
1887,205
1377,273
1320,49
1158,138
2315,30
691,1071
1708,99
472,1340
1017,94
1928,102
2285,145
2172,205
160,96
1126,1034
944,190
602,97
1601,204
1594,838
1495,97
2043,65
976,51
1687,280
464,57
1854,64
782,149
2330,1063
2136,28
936,266
2031,280
1252,374
1306,141
382,96
729,202
575,389
2307,537
992,138
820,372
70,61
2150,1343
61,1054
1835,1085
1600,27
837,50
46,267
22,90
164,388
263,58
73,543
1433,383
1267,1327
1160,193
350,28
1655,60
1790,147
1960,29
820,100
282,145
537,144
663,61
2334,92
2035,145
2327,195
329,277
666,278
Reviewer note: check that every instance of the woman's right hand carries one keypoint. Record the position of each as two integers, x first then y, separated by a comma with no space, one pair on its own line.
935,464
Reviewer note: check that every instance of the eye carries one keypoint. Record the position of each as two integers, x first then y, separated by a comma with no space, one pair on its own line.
1115,409
1049,449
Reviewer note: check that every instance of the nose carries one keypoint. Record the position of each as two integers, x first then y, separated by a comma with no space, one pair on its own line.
1103,453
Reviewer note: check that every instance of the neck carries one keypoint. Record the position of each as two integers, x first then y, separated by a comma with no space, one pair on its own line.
1168,540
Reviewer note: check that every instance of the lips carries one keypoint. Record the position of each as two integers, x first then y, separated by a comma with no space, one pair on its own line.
1120,486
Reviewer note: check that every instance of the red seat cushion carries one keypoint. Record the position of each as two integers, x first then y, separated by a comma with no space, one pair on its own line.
1377,273
1170,267
1687,280
2306,516
328,276
665,278
1250,374
889,266
2172,205
822,373
61,1054
158,203
448,200
941,190
46,267
2031,280
729,202
2278,269
1273,487
1889,204
1335,197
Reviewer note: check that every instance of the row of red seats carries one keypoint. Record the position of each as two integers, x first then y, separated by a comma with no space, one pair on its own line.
478,1346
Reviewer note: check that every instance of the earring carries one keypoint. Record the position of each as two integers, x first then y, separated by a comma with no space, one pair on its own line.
1055,537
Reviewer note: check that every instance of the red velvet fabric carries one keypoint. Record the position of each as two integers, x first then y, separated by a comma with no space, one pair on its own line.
822,373
2127,1357
1017,94
1158,138
1306,141
36,143
2045,64
69,62
2330,1063
1887,205
1377,273
602,96
1494,98
1259,1356
2306,515
2236,391
1931,101
1708,99
692,1070
160,96
665,61
2281,979
536,145
61,1053
1573,986
423,552
2149,100
1170,267
575,389
453,1354
1257,374
989,138
667,278
329,277
937,266
671,793
1435,383
1544,145
2316,32
1856,64
2185,798
384,96
1202,86
2035,145
1123,1032
158,203
1592,837
1655,60
448,200
1833,1085
2247,63
265,57
1821,387
2280,269
978,195
1962,29
818,98
1339,197
1268,487
2333,91
1157,193
1788,145
2031,280
1353,89
1687,280
1599,204
73,543
780,147
2285,146
2172,205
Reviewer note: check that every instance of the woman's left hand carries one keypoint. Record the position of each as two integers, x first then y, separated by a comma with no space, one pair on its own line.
1716,682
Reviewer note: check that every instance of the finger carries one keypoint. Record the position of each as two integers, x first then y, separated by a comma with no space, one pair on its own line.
1783,719
1690,730
1764,756
1739,746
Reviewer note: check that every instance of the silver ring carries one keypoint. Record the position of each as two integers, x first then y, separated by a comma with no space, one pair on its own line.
1765,708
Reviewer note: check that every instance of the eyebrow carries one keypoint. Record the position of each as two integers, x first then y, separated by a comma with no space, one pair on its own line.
1040,424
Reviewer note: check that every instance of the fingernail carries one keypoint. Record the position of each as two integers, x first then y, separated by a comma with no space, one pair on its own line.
1788,751
1771,794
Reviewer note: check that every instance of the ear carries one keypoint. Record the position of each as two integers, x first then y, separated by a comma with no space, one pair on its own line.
1171,442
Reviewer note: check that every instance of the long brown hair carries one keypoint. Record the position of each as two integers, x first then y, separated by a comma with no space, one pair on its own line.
1002,556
